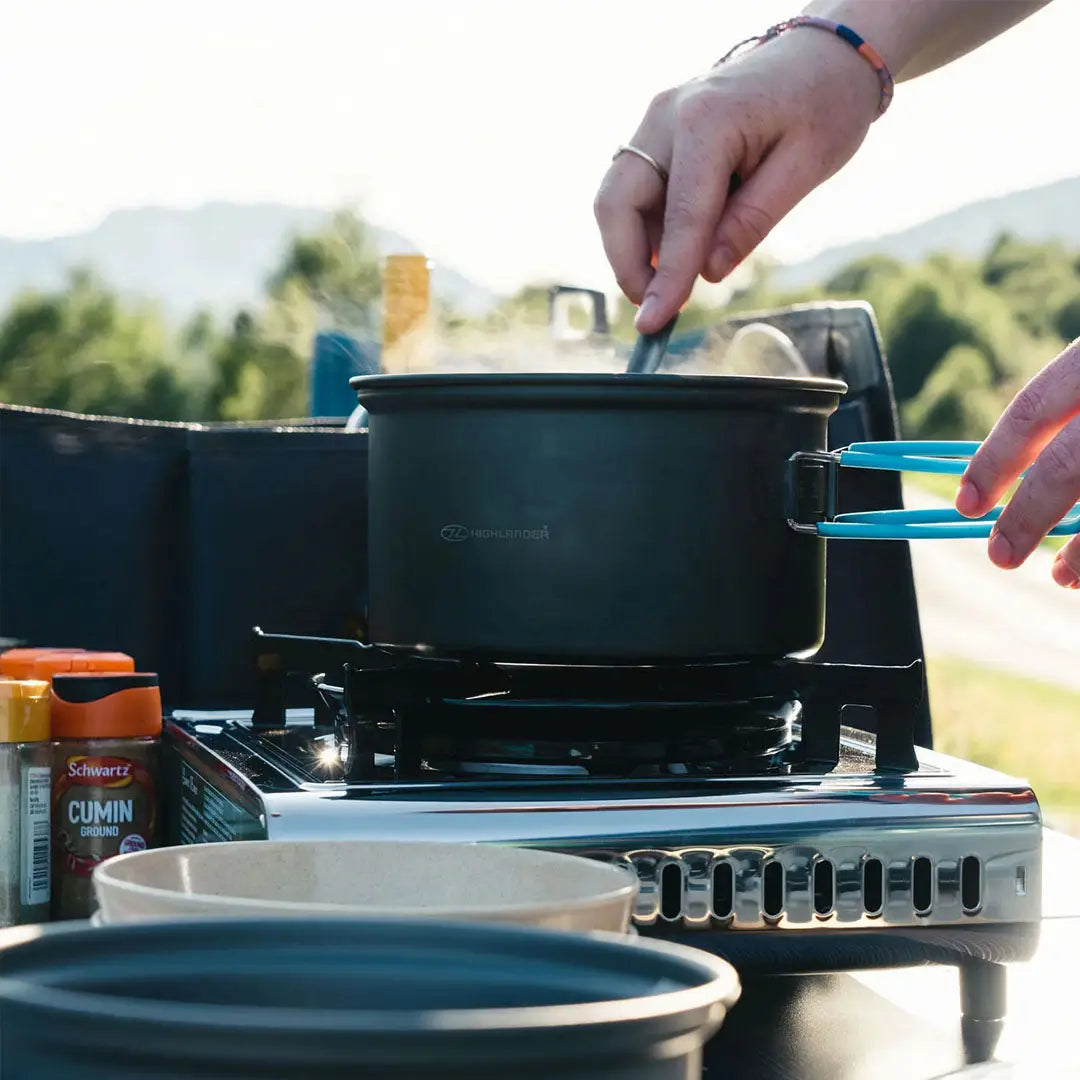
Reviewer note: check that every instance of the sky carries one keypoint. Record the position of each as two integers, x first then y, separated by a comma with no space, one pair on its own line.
479,128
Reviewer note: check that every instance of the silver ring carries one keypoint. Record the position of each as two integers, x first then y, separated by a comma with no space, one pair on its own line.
627,148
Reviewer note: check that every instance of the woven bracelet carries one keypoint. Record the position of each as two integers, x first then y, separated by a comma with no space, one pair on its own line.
845,33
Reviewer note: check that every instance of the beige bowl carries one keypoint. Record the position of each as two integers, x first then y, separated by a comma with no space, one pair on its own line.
367,879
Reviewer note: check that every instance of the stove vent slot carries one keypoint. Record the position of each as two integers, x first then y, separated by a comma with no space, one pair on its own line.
873,886
922,886
970,884
772,890
671,891
723,890
824,887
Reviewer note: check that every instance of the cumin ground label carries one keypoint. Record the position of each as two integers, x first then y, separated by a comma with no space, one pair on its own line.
104,803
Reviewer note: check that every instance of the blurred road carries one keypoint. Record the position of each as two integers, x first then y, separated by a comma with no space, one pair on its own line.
1017,620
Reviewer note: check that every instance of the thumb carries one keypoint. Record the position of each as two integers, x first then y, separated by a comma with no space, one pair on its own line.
776,187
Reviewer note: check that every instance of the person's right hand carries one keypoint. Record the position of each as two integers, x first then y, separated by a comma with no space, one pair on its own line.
783,117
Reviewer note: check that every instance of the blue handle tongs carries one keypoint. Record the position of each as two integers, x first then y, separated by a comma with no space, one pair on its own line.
813,483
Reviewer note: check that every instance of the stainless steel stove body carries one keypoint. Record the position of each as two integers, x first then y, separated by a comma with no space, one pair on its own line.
826,848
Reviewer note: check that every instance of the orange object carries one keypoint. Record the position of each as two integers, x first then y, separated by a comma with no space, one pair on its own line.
57,663
105,705
19,663
24,711
406,314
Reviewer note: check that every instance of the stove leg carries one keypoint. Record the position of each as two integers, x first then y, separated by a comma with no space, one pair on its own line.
983,1001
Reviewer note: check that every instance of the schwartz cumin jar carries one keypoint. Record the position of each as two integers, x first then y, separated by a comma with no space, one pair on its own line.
107,732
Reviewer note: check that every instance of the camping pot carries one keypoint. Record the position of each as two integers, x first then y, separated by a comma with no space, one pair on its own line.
616,517
291,999
594,517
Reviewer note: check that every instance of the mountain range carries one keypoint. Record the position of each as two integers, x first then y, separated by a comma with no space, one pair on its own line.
215,256
1038,214
218,256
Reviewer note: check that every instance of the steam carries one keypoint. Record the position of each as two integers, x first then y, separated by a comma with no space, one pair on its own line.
527,349
522,343
754,349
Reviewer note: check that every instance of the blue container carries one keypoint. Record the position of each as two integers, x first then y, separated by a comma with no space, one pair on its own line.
337,358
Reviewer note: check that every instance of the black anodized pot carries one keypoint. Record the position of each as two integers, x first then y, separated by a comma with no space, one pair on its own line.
592,518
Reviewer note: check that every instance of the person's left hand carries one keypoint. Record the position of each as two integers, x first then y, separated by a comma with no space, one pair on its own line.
1040,429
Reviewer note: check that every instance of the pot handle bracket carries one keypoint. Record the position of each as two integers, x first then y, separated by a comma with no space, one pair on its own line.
813,486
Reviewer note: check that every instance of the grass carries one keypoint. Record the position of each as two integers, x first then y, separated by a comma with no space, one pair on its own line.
944,487
1020,726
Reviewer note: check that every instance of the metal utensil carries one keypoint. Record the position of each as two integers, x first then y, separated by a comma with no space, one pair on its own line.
649,351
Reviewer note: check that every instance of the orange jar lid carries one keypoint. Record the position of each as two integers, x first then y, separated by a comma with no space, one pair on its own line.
105,705
19,663
55,663
24,711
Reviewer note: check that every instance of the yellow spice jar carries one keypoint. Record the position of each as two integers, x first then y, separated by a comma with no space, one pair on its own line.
25,797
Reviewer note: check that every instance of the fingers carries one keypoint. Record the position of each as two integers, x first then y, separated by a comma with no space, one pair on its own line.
621,207
781,181
1066,568
1036,414
1045,496
701,170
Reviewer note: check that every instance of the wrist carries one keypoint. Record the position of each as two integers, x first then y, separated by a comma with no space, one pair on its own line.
889,26
831,58
915,37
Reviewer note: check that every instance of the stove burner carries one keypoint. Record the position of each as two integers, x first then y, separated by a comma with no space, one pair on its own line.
499,736
458,717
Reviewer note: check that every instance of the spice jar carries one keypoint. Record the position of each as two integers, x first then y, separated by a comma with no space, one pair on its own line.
107,732
25,776
18,663
57,661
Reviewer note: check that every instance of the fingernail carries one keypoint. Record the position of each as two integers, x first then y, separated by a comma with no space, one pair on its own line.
1000,551
1064,574
648,307
968,499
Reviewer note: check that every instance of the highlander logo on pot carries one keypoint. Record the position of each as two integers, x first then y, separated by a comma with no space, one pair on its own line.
454,534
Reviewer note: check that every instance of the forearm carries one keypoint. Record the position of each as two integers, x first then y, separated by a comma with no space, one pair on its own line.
917,36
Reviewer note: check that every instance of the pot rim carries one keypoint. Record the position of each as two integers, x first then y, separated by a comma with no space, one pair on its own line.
112,874
709,985
617,381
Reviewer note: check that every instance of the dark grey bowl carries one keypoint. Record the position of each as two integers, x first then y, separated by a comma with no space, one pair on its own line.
289,999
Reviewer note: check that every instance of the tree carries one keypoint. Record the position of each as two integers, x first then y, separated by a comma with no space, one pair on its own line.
957,401
335,273
255,379
82,350
924,333
864,275
1067,319
1033,280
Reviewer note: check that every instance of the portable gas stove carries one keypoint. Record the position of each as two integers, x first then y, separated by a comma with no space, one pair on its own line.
779,814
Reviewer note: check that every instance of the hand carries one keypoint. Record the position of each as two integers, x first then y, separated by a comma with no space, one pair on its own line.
783,117
1042,425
